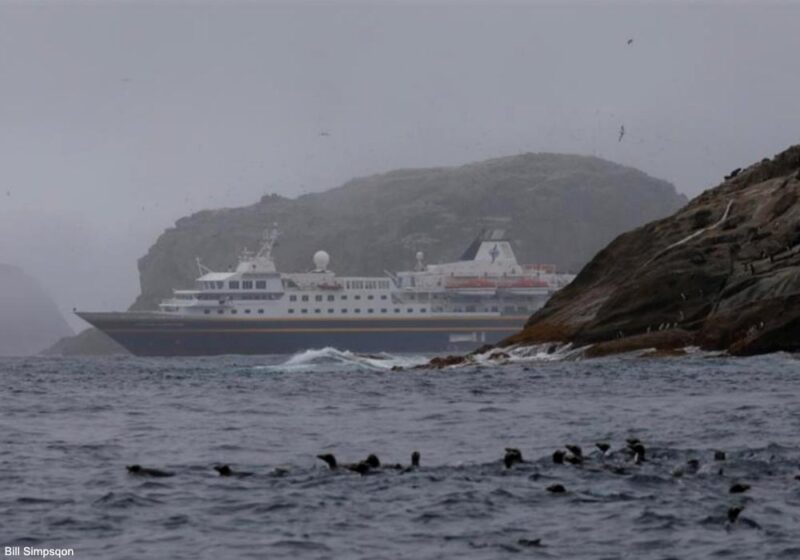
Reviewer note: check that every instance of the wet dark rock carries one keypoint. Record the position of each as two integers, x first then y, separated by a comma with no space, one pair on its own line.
439,362
723,273
719,456
556,489
482,349
558,456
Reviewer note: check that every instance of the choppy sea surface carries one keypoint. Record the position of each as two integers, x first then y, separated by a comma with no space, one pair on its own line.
69,427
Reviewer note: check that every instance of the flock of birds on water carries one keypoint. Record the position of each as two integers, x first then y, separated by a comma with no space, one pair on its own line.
618,462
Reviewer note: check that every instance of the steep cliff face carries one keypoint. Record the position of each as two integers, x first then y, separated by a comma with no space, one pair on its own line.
561,209
721,273
29,319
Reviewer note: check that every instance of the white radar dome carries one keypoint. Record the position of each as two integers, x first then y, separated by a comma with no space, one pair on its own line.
321,260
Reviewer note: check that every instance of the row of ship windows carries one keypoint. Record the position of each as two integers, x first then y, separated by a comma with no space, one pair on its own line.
306,311
262,285
332,298
236,285
367,284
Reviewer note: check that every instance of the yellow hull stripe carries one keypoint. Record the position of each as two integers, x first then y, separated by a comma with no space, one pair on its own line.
308,330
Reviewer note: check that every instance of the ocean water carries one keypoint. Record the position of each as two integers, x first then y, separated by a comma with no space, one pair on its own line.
69,427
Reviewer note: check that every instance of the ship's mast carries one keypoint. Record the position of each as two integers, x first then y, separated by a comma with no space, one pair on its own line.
269,238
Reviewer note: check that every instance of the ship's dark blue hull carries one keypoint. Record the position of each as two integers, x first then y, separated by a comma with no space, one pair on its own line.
147,334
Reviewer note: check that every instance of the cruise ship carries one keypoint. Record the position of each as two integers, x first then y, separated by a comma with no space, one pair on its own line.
481,298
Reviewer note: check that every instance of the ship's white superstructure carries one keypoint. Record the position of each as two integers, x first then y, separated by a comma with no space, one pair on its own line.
486,281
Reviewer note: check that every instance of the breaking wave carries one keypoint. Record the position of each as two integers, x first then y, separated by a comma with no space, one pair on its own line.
327,358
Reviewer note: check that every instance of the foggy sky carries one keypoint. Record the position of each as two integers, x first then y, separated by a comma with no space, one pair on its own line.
116,119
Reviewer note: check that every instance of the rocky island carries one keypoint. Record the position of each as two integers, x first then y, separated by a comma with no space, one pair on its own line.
722,273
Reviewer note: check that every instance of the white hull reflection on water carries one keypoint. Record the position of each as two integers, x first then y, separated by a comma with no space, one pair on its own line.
71,425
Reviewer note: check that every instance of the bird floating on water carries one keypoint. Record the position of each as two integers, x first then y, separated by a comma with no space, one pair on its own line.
144,471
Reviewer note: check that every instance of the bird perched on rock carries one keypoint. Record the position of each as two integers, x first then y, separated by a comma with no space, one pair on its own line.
733,173
739,488
144,471
512,457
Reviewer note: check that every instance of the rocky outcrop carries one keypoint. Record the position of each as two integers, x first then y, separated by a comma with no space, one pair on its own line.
559,208
29,320
722,273
89,342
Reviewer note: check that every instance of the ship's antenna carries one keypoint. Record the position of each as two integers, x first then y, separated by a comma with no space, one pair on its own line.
420,261
201,267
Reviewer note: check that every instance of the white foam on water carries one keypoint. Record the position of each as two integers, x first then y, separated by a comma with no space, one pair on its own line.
526,354
325,358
